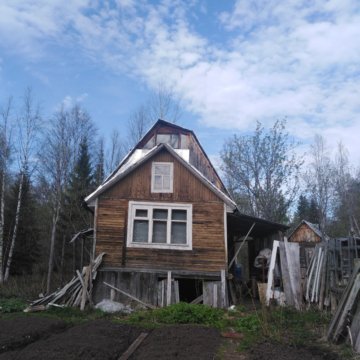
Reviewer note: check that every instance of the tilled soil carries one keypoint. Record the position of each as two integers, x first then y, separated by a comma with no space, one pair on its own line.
30,338
179,342
16,333
98,339
273,351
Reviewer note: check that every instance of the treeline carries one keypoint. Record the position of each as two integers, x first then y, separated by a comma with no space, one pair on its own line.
48,165
270,179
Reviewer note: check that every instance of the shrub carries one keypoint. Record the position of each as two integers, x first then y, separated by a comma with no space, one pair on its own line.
11,305
181,313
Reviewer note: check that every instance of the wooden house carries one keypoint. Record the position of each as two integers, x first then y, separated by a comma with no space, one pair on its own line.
167,223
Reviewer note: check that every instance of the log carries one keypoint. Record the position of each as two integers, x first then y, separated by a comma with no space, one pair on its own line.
133,346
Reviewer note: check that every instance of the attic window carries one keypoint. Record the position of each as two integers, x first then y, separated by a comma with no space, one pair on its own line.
160,225
162,177
170,139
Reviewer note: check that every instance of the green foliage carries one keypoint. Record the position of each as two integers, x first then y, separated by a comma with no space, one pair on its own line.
248,324
181,313
11,305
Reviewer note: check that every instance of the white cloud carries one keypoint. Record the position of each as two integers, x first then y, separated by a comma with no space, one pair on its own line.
294,59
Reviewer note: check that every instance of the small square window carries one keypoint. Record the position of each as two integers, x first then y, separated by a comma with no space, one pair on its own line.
162,177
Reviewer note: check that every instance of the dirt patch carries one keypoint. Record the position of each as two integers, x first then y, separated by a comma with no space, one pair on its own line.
99,339
18,332
179,342
30,338
269,351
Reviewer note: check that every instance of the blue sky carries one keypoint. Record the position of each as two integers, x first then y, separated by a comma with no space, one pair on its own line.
231,62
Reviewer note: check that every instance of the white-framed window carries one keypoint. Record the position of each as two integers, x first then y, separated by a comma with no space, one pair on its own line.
162,177
160,225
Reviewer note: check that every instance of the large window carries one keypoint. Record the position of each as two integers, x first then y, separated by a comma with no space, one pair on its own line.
160,225
162,177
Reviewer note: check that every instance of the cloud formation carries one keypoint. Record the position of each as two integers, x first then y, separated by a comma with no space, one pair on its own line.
294,59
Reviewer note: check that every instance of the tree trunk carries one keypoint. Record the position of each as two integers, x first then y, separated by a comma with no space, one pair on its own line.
52,246
16,225
2,206
62,260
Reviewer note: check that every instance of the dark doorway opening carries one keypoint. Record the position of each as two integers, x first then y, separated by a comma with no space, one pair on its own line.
189,289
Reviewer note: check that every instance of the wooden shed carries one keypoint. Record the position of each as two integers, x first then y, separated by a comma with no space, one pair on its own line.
307,235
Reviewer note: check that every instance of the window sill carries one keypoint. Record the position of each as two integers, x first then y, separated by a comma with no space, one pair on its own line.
160,246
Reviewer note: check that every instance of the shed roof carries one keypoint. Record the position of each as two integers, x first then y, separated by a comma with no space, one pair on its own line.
314,227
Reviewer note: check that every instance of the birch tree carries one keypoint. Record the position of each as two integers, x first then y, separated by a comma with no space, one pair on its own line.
56,158
319,180
68,129
5,152
162,104
28,131
262,171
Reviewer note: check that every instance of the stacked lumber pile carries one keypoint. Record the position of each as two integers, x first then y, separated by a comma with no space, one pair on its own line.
76,293
284,277
318,278
346,320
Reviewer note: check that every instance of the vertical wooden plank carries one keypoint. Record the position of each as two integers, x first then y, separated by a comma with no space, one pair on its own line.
168,289
215,296
223,289
270,287
112,291
177,296
293,264
225,236
95,229
289,296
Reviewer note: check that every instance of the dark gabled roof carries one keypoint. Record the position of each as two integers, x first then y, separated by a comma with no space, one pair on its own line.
140,143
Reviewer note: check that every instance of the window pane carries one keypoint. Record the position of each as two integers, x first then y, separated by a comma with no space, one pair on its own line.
178,233
178,215
158,182
159,232
162,169
141,229
160,214
141,213
166,182
172,140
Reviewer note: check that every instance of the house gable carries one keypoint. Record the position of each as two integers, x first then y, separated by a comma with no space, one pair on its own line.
181,139
305,233
207,252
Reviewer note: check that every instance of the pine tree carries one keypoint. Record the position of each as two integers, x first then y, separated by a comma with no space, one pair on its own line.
80,185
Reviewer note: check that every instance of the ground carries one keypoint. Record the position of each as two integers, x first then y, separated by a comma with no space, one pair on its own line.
33,337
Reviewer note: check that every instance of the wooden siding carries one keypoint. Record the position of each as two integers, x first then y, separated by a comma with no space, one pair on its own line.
201,162
304,234
186,141
208,252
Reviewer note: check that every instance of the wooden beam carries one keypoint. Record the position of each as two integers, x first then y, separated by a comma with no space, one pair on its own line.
130,296
223,289
198,300
238,250
133,346
168,289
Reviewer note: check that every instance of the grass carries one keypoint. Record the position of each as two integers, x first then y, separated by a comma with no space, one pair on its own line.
181,313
